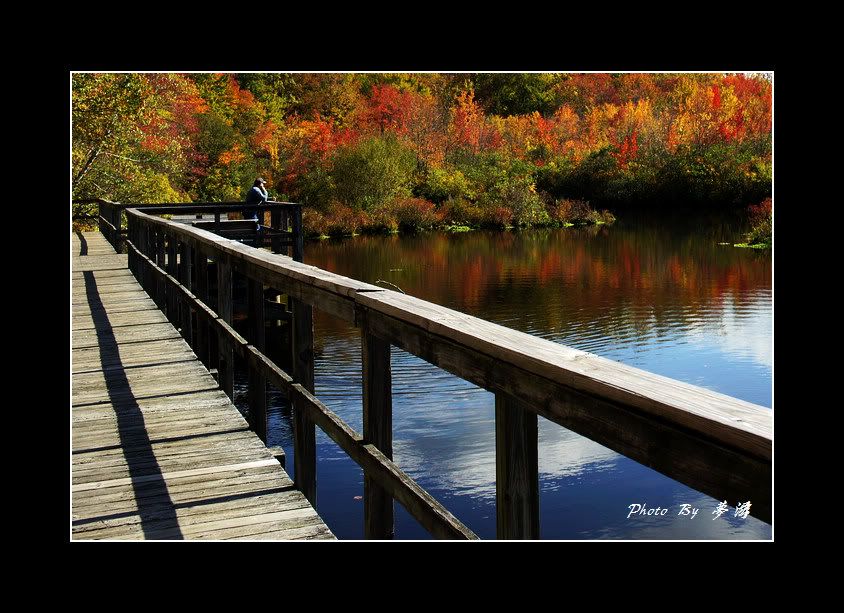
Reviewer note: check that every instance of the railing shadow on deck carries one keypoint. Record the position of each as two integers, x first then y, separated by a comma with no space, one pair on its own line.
718,445
155,507
83,243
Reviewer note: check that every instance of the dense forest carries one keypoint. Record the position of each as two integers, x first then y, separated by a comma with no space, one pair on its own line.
385,151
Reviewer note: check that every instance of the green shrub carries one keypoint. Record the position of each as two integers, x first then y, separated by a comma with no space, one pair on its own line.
316,188
719,173
440,184
521,198
501,182
461,212
373,172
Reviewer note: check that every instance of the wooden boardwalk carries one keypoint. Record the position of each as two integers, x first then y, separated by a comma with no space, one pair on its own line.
158,450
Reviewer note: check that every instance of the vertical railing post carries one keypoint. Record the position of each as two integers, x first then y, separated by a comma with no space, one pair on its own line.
259,230
101,213
298,236
257,382
304,430
152,245
185,279
152,282
287,224
143,246
516,470
281,245
117,220
149,233
160,255
225,365
106,219
377,430
132,259
275,224
133,235
172,270
201,348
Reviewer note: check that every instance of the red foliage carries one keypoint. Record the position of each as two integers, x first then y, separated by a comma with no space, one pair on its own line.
242,98
758,213
628,149
744,87
387,109
342,220
755,101
173,122
490,138
734,128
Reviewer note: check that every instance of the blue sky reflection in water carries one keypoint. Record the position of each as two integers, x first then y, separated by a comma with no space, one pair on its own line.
661,296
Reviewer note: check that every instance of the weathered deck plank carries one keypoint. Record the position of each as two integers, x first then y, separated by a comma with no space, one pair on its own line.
158,451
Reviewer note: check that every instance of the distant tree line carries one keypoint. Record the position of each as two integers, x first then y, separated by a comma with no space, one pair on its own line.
390,150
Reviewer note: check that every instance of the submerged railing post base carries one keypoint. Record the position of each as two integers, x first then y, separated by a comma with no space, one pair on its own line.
377,430
516,470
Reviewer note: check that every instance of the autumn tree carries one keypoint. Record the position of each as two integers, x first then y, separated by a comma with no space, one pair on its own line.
131,135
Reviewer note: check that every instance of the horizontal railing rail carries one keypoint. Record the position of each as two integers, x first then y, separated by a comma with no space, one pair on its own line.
719,445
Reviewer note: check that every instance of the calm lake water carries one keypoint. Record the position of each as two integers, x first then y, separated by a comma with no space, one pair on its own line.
661,295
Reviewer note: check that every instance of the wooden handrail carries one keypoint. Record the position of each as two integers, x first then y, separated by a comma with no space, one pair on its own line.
110,217
719,445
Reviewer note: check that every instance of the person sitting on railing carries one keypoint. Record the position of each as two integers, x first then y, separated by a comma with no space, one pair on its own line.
257,195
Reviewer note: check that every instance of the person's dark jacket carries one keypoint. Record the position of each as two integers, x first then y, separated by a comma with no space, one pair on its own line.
256,195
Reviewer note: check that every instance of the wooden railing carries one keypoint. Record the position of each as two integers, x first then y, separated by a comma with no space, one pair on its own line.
719,445
284,229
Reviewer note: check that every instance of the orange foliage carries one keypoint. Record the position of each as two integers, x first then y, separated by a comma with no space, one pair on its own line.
231,156
467,123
